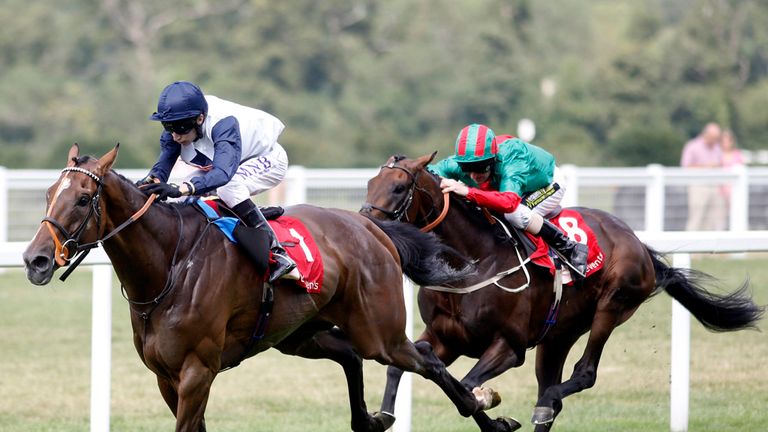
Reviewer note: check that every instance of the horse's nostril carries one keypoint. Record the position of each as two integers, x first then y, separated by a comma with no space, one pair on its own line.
40,263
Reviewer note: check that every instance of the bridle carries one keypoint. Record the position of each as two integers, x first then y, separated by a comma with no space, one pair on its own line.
401,211
62,250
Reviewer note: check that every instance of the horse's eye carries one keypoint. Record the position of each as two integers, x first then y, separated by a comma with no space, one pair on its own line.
399,189
83,201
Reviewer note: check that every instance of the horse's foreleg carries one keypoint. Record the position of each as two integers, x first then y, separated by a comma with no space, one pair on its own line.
394,374
497,359
584,372
170,396
550,360
195,381
390,391
425,363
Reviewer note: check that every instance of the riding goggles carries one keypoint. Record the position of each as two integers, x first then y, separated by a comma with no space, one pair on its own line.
480,167
180,127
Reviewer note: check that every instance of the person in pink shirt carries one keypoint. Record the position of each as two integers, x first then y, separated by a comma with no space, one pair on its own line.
732,158
732,155
706,207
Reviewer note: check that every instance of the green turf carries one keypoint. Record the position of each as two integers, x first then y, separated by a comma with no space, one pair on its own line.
44,374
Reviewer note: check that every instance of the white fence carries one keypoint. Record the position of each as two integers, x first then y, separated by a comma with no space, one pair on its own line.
651,199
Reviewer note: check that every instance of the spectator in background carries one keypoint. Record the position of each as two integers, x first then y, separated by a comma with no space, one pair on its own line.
706,207
732,158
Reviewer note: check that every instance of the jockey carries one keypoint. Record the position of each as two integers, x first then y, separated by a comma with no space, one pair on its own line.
235,151
499,172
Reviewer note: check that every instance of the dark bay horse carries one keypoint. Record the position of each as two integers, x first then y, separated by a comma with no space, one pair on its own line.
497,327
195,299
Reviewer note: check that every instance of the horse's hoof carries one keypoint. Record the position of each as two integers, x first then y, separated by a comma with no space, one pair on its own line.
486,397
510,423
543,415
385,419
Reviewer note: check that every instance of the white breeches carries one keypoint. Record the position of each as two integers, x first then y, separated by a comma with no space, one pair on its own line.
522,216
252,177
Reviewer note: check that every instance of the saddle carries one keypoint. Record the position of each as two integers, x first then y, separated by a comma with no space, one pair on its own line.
223,210
516,236
540,253
291,233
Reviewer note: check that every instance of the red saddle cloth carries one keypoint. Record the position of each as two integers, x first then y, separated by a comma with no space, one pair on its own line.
573,225
301,246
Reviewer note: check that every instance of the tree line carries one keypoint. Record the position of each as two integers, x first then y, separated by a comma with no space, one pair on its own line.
607,82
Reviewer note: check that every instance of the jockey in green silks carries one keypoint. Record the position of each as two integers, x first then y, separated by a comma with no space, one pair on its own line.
497,172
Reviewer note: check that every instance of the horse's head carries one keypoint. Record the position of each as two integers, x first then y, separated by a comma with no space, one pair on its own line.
404,190
73,215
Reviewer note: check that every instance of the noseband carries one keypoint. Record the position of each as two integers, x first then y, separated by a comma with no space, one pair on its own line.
402,209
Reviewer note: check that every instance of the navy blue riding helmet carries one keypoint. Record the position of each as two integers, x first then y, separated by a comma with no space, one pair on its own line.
178,101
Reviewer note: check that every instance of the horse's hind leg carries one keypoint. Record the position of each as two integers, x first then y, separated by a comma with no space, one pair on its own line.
333,345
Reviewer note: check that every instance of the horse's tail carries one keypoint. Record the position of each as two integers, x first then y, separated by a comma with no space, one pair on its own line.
424,258
716,312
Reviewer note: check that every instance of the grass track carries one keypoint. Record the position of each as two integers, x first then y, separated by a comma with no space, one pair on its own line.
44,374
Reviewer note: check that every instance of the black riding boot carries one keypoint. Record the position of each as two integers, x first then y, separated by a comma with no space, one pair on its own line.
573,252
250,214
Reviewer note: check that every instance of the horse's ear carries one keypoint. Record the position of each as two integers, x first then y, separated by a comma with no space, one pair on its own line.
74,153
426,159
106,161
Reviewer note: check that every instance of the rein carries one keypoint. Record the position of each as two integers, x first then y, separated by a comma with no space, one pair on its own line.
61,253
436,222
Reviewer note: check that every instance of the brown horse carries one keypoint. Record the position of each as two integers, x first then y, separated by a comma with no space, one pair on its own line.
497,327
196,301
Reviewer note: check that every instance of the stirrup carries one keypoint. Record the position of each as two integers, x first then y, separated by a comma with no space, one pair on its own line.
577,274
287,268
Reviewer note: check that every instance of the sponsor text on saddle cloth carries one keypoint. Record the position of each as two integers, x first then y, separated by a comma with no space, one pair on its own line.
291,233
573,225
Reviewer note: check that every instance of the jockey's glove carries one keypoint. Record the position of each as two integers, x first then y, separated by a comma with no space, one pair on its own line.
149,179
163,190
